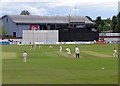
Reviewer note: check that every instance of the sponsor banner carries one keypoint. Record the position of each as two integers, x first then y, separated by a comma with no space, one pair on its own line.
34,27
100,42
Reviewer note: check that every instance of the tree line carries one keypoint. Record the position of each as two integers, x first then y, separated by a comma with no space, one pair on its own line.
107,25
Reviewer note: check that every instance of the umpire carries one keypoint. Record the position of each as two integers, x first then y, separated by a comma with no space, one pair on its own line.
77,51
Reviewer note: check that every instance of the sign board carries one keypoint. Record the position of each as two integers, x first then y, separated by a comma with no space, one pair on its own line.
34,27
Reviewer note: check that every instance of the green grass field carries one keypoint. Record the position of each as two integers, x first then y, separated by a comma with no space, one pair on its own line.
49,66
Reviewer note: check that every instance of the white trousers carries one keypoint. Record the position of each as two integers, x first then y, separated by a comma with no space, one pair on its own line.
24,59
60,50
115,55
69,53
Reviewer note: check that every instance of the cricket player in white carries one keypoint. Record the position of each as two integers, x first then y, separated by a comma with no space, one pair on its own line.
115,52
24,56
60,48
50,46
68,51
77,51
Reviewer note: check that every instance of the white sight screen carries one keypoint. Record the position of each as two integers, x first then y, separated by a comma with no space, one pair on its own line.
46,36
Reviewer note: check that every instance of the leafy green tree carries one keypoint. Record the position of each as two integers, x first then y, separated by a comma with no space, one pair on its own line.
106,27
25,12
100,28
118,17
3,31
117,27
114,23
102,22
98,20
108,20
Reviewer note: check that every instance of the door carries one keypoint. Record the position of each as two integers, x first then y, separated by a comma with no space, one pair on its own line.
14,34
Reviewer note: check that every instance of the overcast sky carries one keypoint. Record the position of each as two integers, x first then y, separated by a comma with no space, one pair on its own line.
92,8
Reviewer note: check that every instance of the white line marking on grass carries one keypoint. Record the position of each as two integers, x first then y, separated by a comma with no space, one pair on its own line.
96,54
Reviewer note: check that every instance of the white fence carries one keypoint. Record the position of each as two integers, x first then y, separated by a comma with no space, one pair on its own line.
111,37
112,40
109,34
45,36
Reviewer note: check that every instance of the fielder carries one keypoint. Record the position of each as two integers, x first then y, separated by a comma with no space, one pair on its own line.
60,48
33,47
50,46
24,56
115,53
68,51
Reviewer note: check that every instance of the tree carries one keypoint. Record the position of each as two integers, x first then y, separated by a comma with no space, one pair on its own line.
117,27
102,22
118,17
108,20
98,20
3,31
114,23
25,12
100,28
106,27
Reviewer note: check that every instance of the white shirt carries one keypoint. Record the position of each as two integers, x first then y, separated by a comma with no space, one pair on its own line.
60,47
77,51
115,51
50,46
94,41
24,54
67,49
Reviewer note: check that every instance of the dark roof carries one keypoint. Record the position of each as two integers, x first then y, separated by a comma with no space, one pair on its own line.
47,19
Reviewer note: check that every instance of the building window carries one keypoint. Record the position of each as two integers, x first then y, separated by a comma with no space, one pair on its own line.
74,26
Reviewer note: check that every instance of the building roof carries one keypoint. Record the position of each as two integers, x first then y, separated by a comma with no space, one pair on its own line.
47,19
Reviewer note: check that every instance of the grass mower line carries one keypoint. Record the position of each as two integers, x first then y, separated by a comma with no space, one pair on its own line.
96,54
9,55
